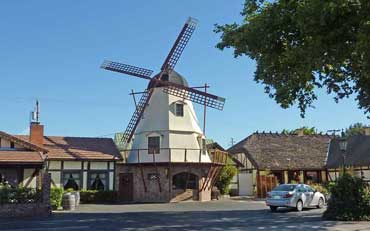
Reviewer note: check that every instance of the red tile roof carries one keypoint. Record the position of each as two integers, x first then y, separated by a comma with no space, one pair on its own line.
20,157
79,148
22,142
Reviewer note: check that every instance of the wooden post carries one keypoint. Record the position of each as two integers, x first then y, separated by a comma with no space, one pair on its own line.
141,170
207,177
158,175
169,173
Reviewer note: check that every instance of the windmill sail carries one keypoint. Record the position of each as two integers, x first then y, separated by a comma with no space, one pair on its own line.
129,132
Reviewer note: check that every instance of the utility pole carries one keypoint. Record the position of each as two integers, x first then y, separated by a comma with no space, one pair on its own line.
232,141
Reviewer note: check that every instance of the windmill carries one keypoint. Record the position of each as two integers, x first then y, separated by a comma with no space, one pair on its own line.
162,80
164,142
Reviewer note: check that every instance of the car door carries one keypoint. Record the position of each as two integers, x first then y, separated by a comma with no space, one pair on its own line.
301,194
309,193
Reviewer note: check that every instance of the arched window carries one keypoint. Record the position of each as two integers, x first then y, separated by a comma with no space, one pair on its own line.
98,181
71,180
185,180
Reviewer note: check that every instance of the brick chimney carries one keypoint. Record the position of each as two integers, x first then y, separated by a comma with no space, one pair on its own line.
37,133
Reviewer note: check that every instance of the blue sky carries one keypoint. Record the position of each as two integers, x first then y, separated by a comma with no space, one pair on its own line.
52,50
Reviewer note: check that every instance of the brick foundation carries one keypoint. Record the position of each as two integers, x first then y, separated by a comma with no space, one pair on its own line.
167,192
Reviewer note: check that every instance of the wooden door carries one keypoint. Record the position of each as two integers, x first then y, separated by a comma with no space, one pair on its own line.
126,186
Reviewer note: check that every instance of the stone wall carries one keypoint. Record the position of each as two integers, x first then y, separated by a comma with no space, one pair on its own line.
150,191
38,209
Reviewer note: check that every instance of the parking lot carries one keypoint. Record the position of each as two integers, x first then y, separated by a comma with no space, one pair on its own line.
215,215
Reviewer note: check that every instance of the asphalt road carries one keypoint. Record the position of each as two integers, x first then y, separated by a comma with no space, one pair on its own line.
215,215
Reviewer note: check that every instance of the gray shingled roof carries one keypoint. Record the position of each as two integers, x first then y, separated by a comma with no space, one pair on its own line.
279,151
357,154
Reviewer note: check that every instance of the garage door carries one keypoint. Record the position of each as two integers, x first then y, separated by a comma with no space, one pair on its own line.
245,184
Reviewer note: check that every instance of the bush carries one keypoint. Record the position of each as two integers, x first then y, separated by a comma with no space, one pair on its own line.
224,179
350,200
320,188
18,195
98,197
56,197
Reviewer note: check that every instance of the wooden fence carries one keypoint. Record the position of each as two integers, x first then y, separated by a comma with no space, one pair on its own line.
265,184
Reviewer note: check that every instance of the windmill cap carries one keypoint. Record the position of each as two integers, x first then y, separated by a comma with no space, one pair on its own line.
173,77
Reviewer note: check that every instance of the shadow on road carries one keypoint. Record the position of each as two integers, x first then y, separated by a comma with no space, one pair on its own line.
210,220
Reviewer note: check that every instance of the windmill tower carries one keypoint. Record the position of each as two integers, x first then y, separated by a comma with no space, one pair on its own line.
166,153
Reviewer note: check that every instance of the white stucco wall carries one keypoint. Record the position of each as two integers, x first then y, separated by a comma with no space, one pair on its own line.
72,165
98,165
55,165
27,174
176,132
55,176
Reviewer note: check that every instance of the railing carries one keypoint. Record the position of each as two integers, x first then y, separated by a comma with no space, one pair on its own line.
174,155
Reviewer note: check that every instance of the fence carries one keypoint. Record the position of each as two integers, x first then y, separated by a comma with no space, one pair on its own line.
174,155
265,184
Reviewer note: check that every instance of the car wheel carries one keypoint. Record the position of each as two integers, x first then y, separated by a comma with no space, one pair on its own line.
320,204
273,208
299,206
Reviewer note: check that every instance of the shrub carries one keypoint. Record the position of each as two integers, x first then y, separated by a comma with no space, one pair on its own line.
320,188
56,197
14,195
349,200
224,179
98,197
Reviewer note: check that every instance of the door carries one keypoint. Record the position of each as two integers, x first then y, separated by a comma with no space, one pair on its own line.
245,184
126,187
313,197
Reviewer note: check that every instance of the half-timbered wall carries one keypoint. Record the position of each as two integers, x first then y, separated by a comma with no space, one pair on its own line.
83,172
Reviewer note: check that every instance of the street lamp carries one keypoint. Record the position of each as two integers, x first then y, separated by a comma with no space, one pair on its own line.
343,149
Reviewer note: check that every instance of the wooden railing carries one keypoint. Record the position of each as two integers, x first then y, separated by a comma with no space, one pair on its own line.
175,155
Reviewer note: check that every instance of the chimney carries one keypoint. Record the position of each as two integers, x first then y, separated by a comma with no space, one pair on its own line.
367,131
37,133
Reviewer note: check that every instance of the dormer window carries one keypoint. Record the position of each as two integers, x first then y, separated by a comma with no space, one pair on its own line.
179,109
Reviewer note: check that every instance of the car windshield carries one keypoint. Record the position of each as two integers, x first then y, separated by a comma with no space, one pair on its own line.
285,187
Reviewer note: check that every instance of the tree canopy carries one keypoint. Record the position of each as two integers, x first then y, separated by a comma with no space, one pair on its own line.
305,130
302,45
355,129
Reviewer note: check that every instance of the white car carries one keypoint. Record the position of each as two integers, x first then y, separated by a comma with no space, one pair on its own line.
297,196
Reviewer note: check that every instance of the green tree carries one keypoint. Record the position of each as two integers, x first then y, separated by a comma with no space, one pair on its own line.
302,45
224,179
306,131
355,129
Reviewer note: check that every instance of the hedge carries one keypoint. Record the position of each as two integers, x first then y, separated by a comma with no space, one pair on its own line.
98,197
18,195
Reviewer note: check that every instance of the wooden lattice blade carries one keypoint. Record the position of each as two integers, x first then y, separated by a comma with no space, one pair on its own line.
180,44
192,94
134,121
127,69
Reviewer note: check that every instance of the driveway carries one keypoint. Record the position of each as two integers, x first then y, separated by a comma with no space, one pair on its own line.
215,215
